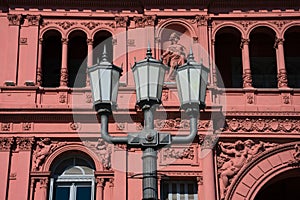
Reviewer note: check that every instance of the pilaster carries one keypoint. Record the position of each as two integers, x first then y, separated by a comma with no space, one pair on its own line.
5,154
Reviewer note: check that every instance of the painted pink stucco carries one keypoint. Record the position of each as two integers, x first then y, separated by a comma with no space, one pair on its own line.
29,113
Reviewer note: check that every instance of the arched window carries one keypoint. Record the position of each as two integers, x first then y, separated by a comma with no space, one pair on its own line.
51,58
263,58
72,178
292,56
101,38
77,53
228,58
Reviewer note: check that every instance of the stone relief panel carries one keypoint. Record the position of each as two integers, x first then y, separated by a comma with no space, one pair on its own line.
178,155
232,157
103,150
265,125
44,147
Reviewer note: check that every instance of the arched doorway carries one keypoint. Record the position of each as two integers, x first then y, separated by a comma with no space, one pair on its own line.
283,186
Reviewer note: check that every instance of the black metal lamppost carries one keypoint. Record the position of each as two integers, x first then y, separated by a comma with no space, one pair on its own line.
191,79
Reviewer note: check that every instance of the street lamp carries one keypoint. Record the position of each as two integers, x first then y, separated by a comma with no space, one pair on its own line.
149,78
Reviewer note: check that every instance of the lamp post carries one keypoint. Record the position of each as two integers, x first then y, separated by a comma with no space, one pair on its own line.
149,76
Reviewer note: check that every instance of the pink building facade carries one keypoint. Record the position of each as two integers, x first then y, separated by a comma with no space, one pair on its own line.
247,146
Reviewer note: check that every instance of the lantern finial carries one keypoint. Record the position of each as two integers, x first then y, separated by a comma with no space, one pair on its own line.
149,51
191,55
104,54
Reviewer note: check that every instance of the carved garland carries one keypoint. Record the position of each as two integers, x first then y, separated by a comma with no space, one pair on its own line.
262,125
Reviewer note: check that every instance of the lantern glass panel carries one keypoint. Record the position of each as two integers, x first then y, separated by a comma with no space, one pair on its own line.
143,80
195,84
184,85
153,82
115,86
161,81
137,84
105,82
204,79
94,79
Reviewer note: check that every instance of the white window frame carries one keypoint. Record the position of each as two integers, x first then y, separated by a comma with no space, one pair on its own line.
177,194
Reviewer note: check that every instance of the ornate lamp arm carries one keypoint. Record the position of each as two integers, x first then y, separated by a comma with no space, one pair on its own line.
104,131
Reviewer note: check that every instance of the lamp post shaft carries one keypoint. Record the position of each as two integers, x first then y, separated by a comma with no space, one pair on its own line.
149,161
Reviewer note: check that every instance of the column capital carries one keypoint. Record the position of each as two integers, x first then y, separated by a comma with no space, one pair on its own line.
24,144
41,40
278,41
6,143
201,20
100,182
208,141
146,20
34,20
89,41
64,41
15,20
244,41
44,182
121,21
200,180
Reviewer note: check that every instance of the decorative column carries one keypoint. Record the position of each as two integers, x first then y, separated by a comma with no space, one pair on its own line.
281,71
5,149
247,78
89,58
208,167
44,187
100,188
39,77
213,65
32,188
64,63
111,188
200,186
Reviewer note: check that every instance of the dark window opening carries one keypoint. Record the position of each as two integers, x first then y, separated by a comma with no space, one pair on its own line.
51,58
229,58
102,38
263,58
292,56
77,53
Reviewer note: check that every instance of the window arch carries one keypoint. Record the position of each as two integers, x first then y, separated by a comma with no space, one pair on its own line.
263,58
77,53
292,56
228,57
72,177
102,38
51,58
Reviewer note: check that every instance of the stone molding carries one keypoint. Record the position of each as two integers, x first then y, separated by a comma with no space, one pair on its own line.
146,20
65,24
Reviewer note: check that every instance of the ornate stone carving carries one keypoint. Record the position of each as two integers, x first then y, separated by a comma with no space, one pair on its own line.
200,180
262,125
62,98
89,41
44,148
39,76
233,156
185,153
121,21
114,41
74,126
89,98
5,126
296,155
250,98
24,144
14,20
100,182
33,20
44,182
244,42
208,141
64,41
172,124
280,23
90,25
147,20
5,143
247,78
246,24
201,20
103,150
131,42
282,78
65,24
23,41
26,126
286,99
121,126
278,41
64,77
